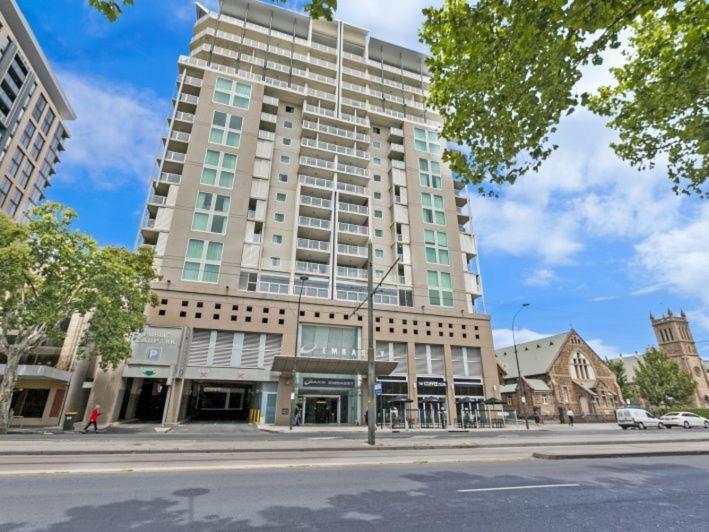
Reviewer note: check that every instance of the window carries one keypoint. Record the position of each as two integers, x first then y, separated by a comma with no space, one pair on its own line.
285,159
27,134
275,262
283,178
288,124
14,203
565,393
278,239
376,130
26,173
226,129
202,261
436,246
427,141
378,233
286,141
377,160
211,213
15,162
219,169
281,196
39,107
37,146
429,173
379,253
377,195
377,144
377,177
378,214
4,189
233,93
279,217
580,368
47,122
433,209
440,290
290,109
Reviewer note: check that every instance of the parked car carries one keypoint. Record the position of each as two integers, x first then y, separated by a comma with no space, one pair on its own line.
684,419
638,418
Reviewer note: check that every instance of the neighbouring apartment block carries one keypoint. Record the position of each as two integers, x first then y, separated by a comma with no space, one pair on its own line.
291,144
33,110
558,373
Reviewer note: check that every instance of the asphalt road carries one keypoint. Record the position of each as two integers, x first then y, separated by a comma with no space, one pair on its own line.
614,494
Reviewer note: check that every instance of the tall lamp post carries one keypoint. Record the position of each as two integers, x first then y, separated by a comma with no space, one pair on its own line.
302,278
520,398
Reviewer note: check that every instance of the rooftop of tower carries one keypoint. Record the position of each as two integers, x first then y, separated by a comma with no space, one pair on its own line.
356,39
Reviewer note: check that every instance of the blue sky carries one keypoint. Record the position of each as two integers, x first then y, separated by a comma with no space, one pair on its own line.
588,241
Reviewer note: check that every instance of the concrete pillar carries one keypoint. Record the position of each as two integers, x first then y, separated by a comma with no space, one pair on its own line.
174,400
450,391
283,399
106,389
413,392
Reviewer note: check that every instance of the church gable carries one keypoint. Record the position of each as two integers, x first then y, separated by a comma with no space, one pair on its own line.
577,360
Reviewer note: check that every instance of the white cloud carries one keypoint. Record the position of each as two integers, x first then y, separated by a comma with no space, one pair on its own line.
678,258
116,135
503,337
603,350
539,277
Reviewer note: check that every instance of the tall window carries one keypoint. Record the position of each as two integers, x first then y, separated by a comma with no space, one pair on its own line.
581,368
219,169
5,186
39,107
26,173
429,173
226,129
427,141
27,134
440,289
436,247
202,261
234,93
37,146
47,122
433,209
211,213
15,162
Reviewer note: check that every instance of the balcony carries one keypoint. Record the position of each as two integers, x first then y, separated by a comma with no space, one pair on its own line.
348,188
399,165
352,273
467,246
472,284
356,171
315,207
396,133
327,167
188,100
334,148
315,228
192,81
268,117
154,202
353,209
266,135
351,295
463,215
185,118
351,255
312,250
352,233
162,183
314,268
335,131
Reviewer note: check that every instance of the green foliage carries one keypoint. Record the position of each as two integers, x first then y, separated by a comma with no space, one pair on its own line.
618,369
51,271
111,9
318,9
503,75
661,381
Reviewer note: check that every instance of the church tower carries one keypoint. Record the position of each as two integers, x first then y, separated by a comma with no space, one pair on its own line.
675,338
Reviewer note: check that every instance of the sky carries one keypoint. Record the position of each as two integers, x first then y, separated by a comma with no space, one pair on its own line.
588,241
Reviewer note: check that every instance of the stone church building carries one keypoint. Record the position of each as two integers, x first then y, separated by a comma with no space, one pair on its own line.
559,373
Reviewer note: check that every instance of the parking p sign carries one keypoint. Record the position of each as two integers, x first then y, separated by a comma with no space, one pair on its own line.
377,388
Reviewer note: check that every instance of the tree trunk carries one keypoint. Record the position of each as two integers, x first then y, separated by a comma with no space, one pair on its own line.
7,386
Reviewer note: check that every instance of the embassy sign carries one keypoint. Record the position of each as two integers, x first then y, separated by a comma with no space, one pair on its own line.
326,382
313,351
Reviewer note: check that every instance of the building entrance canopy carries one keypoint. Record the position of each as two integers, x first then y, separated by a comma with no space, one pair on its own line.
329,365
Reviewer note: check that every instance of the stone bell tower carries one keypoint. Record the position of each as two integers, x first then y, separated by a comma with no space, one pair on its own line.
675,338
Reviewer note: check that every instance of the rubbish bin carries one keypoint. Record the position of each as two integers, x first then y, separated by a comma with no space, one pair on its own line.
69,420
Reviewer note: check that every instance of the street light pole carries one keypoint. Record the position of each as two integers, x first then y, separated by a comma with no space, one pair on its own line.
519,373
303,278
371,376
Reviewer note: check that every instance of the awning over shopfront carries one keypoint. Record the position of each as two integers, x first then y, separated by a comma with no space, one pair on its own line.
39,372
329,365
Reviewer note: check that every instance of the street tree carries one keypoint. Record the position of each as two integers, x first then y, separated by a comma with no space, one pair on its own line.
504,73
111,9
661,381
618,368
51,271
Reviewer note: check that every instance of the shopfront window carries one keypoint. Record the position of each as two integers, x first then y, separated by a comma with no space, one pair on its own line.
329,342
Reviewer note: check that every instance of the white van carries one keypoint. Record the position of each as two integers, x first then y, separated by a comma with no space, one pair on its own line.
633,416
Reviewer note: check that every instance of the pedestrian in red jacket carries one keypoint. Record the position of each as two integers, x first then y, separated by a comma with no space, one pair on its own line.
93,419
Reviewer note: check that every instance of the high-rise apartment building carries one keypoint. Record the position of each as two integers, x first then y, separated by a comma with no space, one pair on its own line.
33,109
293,142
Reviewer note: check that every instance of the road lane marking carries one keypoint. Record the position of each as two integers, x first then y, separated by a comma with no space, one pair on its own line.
535,486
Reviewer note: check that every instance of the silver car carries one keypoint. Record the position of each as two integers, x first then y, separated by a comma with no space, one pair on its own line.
687,420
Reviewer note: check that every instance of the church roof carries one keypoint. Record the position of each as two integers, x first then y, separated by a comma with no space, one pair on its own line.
535,357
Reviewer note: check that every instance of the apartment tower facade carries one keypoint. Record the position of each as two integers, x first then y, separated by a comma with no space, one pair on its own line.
33,110
292,143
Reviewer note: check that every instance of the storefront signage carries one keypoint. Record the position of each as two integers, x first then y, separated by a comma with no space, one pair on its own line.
158,346
332,352
318,382
431,382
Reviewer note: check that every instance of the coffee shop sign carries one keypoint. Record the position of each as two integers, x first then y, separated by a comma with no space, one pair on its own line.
331,352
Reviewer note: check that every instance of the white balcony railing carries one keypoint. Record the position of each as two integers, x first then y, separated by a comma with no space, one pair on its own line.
351,207
312,201
355,189
348,271
315,181
348,249
315,223
312,267
353,228
317,245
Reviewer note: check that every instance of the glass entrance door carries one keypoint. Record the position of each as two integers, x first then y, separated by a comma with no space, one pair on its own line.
322,409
